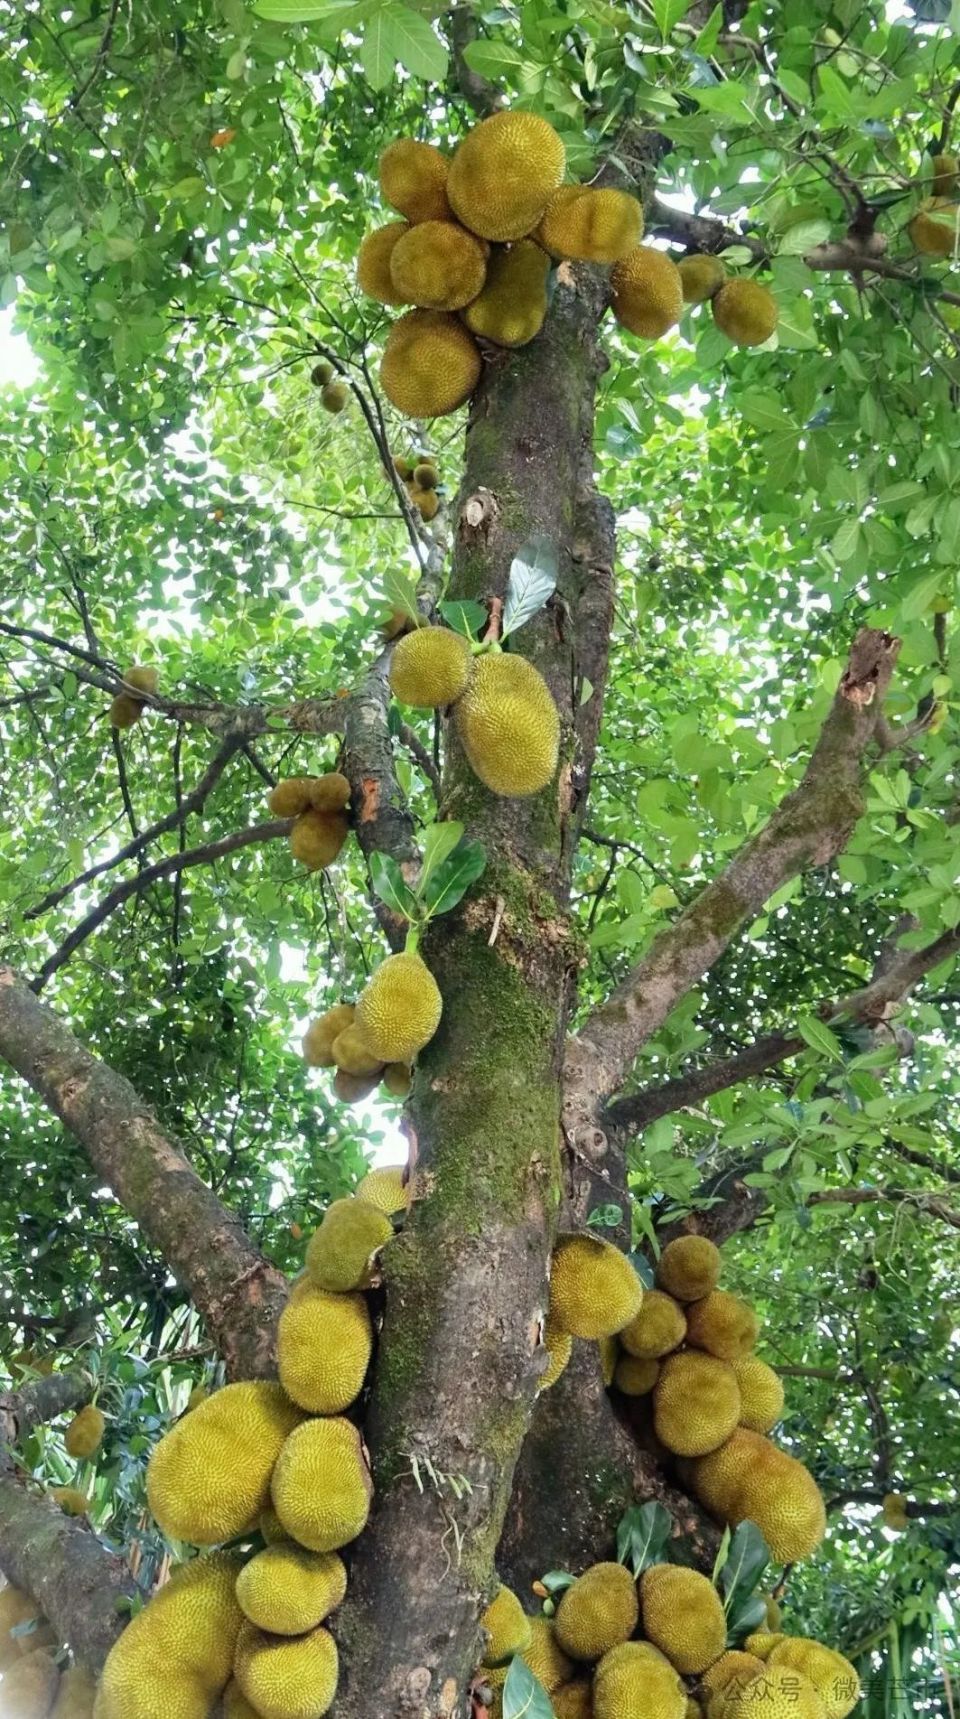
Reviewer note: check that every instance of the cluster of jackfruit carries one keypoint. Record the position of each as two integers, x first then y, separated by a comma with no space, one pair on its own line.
594,1292
318,806
934,230
376,1040
126,708
334,392
420,478
743,309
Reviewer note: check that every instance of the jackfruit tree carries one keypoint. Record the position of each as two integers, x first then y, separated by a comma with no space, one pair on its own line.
478,1003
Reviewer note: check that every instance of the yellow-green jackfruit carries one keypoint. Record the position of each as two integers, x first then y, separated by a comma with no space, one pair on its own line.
503,174
426,502
329,792
400,1006
895,1512
748,1478
339,1252
745,312
125,710
397,1079
731,1669
683,1616
288,1591
597,1611
75,1695
425,475
559,1347
350,1053
946,174
658,1328
696,1403
334,396
635,1377
318,1038
506,1627
317,837
430,364
270,1526
545,1656
593,226
934,228
142,679
635,1678
235,1703
761,1393
438,265
292,1678
701,276
722,1325
209,1477
324,1344
773,1694
16,1608
762,1643
291,797
573,1700
509,726
373,263
321,1485
512,306
647,292
351,1088
774,1613
833,1677
71,1500
386,1188
29,1687
84,1435
322,373
689,1268
594,1290
175,1657
413,179
430,667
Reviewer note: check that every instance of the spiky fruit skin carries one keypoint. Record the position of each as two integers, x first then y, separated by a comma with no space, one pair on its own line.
321,1485
425,475
403,468
748,1477
833,1677
317,837
84,1435
288,799
426,502
504,173
438,265
287,1679
610,1355
895,1512
351,1054
324,1344
373,263
270,1526
594,1290
591,226
384,1187
329,792
762,1643
745,312
647,292
288,1591
573,1701
509,726
696,1403
413,179
398,1079
761,1393
319,1037
339,1252
659,1327
70,1499
29,1687
235,1703
511,309
125,711
75,1695
351,1088
597,1612
559,1347
635,1377
933,230
209,1477
430,364
683,1616
694,1709
731,1670
946,175
546,1657
722,1325
701,277
689,1268
400,1006
142,679
176,1655
321,373
774,1694
506,1626
635,1678
334,396
430,667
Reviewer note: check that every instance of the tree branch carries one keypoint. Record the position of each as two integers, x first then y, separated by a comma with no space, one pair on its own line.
698,232
481,95
914,1507
380,817
923,1198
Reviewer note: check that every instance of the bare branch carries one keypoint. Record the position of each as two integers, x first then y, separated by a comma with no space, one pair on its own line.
699,232
922,1198
482,95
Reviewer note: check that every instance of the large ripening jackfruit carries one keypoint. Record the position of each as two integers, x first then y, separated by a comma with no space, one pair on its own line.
373,263
293,1678
386,1188
288,1591
833,1677
317,837
701,277
324,1344
748,1478
573,1701
319,1038
174,1658
559,1347
761,1393
762,1643
591,226
321,1485
513,304
84,1435
209,1477
339,1252
506,1627
503,175
689,1268
658,1328
430,364
430,667
745,312
773,1694
545,1656
635,1377
934,228
351,1054
29,1687
647,292
597,1611
399,1008
594,1290
636,1678
509,726
946,174
413,179
438,265
731,1669
722,1325
696,1403
683,1616
75,1695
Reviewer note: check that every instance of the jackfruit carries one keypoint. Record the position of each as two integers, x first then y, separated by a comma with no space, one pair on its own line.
934,228
748,1478
509,726
694,1709
321,1485
293,1678
330,792
71,1500
288,1591
425,475
506,1627
29,1687
594,1290
511,309
270,1526
503,174
209,1477
745,312
319,1037
403,468
701,277
351,1088
597,1611
125,711
438,265
895,1512
761,1393
573,1701
430,364
430,667
591,226
16,1608
722,1325
774,1614
75,1695
400,1006
386,1188
339,1252
426,502
288,799
174,1658
84,1435
730,1669
609,1351
317,837
322,373
658,1328
683,1616
773,1694
946,174
142,679
762,1643
635,1377
351,1054
235,1703
545,1657
559,1347
689,1268
324,1344
373,263
696,1403
635,1678
398,1079
413,179
835,1680
647,292
334,396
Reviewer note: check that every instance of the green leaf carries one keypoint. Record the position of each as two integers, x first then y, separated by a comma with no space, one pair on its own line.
669,13
438,841
641,1535
921,595
496,60
819,1037
803,237
747,1559
417,45
294,11
556,1580
524,1696
464,617
532,582
453,877
845,539
765,412
389,883
400,594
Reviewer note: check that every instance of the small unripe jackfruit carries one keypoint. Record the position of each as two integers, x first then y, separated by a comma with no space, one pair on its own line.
413,179
125,710
317,837
430,667
635,1678
351,1054
761,1393
430,364
209,1477
339,1252
506,1627
319,1037
235,1703
722,1325
546,1657
833,1677
373,263
426,502
895,1512
352,1088
509,726
287,1678
745,312
658,1328
288,1591
175,1656
503,174
513,304
934,228
597,1611
71,1500
683,1616
329,792
425,475
573,1701
29,1687
384,1187
84,1435
701,277
689,1268
559,1347
142,679
593,226
291,797
594,1290
635,1377
731,1669
321,1485
696,1403
647,292
334,396
946,175
324,1344
438,265
773,1694
397,1079
322,372
399,1008
762,1643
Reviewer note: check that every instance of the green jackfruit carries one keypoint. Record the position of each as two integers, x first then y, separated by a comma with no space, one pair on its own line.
75,1695
400,1006
270,1526
373,263
683,1616
545,1657
748,1478
430,364
29,1687
125,711
594,1290
288,1591
386,1188
321,1485
511,309
597,1611
71,1500
503,174
701,277
291,797
647,292
696,1403
318,1039
732,1669
209,1477
762,1643
324,1344
774,1694
426,502
351,1088
329,792
293,1678
658,1328
895,1512
722,1325
438,265
946,174
591,225
509,726
317,837
635,1377
635,1679
833,1677
334,396
413,179
425,475
506,1628
559,1347
430,667
339,1252
761,1393
352,1056
745,312
322,373
774,1613
174,1658
689,1268
398,1079
84,1435
142,679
